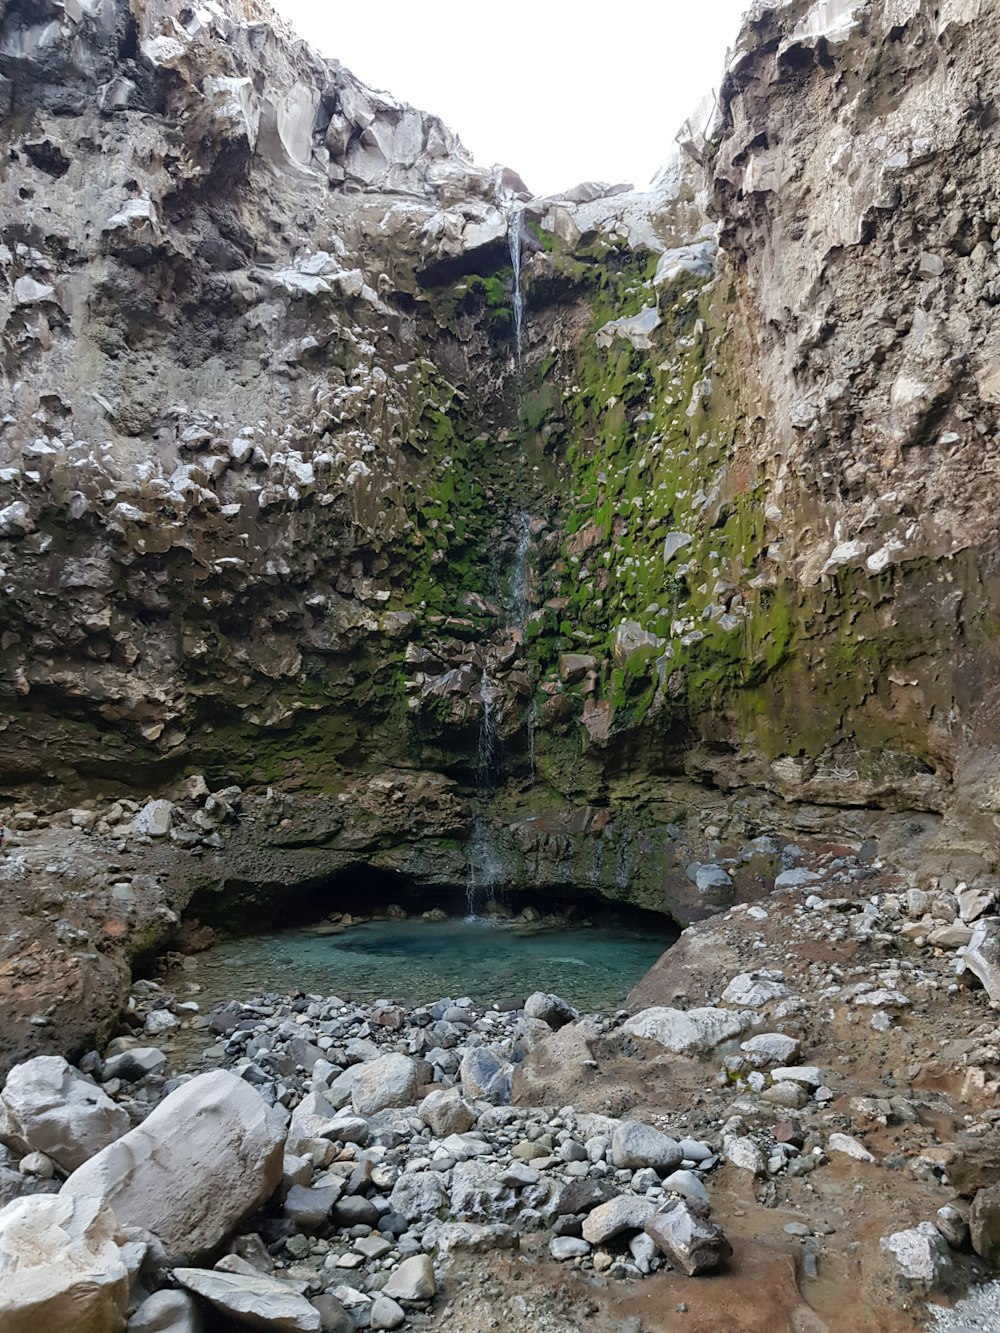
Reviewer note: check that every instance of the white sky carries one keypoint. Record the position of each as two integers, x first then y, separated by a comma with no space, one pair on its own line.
562,92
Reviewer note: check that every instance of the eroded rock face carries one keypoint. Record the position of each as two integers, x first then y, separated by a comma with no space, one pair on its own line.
201,1161
256,325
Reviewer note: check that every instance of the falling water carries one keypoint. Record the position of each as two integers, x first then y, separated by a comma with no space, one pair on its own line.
515,226
486,867
485,860
520,581
488,752
533,721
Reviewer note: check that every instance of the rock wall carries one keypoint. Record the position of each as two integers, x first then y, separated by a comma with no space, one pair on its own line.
281,506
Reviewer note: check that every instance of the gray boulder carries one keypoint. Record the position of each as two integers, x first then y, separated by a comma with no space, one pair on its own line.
413,1282
628,1212
472,1237
386,1314
309,1119
155,819
166,1312
568,1247
687,1236
445,1112
486,1076
261,1302
634,1145
48,1106
206,1157
419,1195
478,1194
391,1080
687,1183
310,1208
550,1009
984,1225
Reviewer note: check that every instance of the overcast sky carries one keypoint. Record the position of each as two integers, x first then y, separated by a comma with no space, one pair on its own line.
560,91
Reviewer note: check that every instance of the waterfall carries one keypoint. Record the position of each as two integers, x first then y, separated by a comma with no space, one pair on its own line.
515,228
520,581
488,750
486,868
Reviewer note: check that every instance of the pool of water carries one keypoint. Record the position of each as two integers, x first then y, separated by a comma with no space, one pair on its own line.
418,961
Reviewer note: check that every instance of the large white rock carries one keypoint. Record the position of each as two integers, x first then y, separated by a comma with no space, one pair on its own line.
48,1106
260,1302
392,1080
154,819
205,1158
61,1269
982,954
688,1031
627,1212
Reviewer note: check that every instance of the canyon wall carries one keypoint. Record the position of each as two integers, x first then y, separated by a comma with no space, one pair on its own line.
281,508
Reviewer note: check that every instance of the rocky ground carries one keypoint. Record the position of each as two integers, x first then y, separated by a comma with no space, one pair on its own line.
792,1125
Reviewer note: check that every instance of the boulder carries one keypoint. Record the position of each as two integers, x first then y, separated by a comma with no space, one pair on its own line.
687,1236
688,1031
333,1315
486,1076
48,1106
413,1282
260,1302
472,1237
550,1009
154,819
391,1080
419,1195
634,1145
921,1258
849,1146
753,990
309,1119
568,1247
386,1314
479,1194
309,1208
137,1063
982,954
628,1212
984,1225
206,1157
744,1154
687,1183
167,1312
767,1049
445,1112
61,1267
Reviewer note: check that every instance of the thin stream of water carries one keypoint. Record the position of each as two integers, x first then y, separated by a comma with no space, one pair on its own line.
486,869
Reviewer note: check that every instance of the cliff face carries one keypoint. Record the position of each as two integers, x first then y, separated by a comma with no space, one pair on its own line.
282,506
855,183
